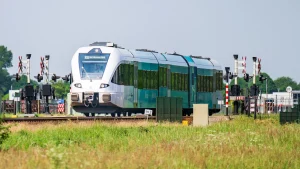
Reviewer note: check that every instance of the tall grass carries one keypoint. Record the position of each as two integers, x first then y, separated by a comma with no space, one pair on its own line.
240,143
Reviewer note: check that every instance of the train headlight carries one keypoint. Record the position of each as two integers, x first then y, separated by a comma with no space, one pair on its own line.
103,85
78,85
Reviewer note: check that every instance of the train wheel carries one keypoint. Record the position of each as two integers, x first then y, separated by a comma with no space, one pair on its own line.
93,114
124,114
119,114
87,114
112,114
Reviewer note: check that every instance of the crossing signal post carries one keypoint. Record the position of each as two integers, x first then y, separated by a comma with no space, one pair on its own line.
47,90
226,77
28,93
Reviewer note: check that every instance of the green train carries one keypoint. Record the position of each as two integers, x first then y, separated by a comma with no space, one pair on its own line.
110,79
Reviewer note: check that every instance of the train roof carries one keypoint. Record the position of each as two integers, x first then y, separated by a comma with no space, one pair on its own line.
153,56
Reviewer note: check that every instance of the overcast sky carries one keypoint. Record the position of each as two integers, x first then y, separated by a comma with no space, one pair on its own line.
268,29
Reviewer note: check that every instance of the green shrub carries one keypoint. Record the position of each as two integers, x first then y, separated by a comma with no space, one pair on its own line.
4,132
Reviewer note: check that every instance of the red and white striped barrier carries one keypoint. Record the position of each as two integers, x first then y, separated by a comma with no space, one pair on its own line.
61,108
227,96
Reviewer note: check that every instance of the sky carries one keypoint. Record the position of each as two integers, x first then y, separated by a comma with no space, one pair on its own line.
267,29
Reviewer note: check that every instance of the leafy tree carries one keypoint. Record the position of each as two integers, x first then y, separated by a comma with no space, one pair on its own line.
262,86
5,62
62,88
5,97
272,87
283,82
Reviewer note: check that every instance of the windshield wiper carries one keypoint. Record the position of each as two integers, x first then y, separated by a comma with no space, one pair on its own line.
86,73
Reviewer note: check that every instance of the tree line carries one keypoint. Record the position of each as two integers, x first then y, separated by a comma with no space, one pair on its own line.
278,85
62,88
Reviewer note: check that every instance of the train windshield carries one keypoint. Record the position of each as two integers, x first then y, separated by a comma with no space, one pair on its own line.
92,65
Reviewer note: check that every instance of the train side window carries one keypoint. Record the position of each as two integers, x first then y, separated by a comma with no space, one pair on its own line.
204,83
200,83
217,81
166,77
120,75
180,81
212,83
152,79
176,81
145,79
140,79
131,75
160,78
172,81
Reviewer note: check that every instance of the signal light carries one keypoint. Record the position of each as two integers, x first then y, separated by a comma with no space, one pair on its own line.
230,75
17,76
54,77
66,78
39,77
246,77
262,78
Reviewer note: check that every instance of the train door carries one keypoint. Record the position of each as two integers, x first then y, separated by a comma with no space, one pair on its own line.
193,82
135,89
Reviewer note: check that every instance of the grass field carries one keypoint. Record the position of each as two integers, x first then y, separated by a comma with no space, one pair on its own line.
240,143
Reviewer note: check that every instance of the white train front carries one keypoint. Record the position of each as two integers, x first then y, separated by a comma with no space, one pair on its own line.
110,79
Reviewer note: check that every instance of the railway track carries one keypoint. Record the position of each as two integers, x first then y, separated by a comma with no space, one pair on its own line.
57,119
212,119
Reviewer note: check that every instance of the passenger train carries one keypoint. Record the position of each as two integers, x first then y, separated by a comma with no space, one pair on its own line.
107,78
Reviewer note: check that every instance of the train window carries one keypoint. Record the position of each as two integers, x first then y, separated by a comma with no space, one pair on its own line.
152,80
119,74
209,84
187,82
166,77
155,77
216,81
212,83
173,81
204,84
182,82
198,83
140,79
176,81
131,75
160,78
145,79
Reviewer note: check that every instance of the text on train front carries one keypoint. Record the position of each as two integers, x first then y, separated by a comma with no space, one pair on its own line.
92,65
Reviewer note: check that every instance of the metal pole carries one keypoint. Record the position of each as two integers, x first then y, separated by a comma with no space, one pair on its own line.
47,105
276,104
28,56
236,70
267,88
255,106
254,69
227,98
47,57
